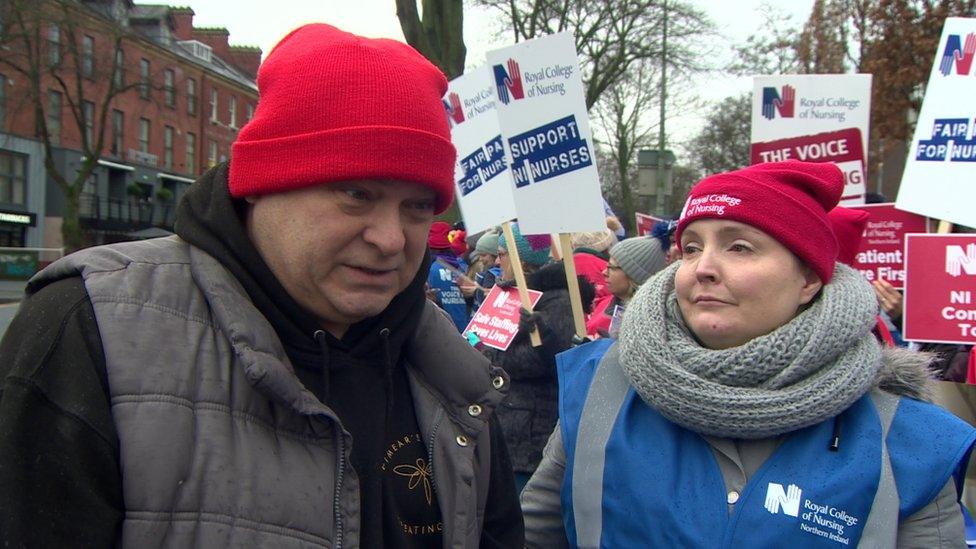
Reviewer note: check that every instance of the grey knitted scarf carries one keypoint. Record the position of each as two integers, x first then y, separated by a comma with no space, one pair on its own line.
804,372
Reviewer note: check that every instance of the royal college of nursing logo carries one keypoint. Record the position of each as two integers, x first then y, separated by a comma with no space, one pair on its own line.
778,102
455,114
959,261
959,54
509,83
787,501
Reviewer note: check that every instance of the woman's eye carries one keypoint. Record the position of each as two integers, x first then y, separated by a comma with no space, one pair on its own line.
739,248
688,249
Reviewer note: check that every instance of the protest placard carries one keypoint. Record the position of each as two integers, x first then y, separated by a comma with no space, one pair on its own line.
814,118
881,253
546,130
496,321
941,166
483,180
940,288
645,223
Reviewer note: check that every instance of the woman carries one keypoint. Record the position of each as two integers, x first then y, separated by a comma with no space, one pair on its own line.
632,261
528,414
590,255
747,403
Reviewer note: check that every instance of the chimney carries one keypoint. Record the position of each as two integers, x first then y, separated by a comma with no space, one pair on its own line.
216,38
182,22
247,59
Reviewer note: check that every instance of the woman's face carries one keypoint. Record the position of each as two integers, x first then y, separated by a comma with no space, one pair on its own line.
505,264
618,283
736,283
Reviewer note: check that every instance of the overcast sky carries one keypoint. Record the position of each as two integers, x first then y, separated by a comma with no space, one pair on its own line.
262,23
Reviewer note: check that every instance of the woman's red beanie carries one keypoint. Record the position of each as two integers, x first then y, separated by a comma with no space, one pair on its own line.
787,200
339,107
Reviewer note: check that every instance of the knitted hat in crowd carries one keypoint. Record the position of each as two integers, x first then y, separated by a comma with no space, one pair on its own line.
437,237
533,249
599,241
487,244
787,200
339,107
639,257
848,226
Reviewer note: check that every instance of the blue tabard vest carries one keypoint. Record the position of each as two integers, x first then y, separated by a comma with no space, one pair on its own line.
635,479
449,296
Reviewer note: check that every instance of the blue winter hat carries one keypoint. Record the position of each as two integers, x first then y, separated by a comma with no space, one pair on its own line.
533,249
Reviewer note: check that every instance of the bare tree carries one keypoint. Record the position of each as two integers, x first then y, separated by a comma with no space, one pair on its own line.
771,51
614,36
724,141
44,42
438,35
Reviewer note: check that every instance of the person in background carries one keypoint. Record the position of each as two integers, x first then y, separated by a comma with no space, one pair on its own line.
446,274
271,376
664,231
613,222
458,239
632,262
590,255
484,271
746,402
528,413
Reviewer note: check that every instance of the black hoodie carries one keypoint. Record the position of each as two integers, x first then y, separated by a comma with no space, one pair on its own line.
361,377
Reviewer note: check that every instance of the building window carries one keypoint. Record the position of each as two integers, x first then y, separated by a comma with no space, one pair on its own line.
212,154
144,135
13,180
88,114
118,121
250,112
119,75
191,97
232,107
3,102
213,105
144,78
191,153
169,79
54,46
87,56
168,147
54,117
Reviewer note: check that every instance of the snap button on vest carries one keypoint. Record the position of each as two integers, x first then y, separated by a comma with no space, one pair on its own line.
498,382
733,497
474,410
461,440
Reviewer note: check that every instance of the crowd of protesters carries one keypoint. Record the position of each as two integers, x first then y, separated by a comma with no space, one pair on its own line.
289,371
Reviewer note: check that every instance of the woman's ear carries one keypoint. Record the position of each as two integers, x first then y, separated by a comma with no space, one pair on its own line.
811,286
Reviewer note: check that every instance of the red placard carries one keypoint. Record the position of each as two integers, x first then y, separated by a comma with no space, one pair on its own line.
497,320
881,254
940,288
842,147
645,223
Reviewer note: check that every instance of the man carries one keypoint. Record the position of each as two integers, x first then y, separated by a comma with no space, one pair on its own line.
272,376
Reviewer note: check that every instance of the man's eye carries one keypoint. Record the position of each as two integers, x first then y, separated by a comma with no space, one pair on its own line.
357,194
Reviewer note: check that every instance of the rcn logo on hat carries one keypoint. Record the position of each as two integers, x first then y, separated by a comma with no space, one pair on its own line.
773,102
787,500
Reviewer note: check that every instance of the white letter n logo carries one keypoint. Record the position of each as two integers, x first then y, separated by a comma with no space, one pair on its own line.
958,261
788,499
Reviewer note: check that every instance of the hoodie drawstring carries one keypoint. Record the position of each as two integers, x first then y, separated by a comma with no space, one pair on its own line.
324,345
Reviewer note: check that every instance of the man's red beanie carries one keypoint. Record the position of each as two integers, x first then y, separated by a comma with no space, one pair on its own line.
787,200
848,226
339,107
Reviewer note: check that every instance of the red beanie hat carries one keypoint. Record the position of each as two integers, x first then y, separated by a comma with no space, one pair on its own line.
339,107
787,200
848,226
437,237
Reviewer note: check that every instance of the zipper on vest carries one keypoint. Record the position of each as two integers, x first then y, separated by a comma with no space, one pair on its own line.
430,447
340,471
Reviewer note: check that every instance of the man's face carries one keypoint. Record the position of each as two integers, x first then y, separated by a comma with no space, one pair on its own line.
343,250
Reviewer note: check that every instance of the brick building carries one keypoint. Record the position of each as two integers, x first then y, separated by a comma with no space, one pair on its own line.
174,98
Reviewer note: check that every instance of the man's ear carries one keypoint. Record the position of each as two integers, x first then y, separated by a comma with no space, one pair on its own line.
252,199
812,285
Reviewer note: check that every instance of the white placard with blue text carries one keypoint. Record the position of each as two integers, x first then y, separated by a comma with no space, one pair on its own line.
815,118
482,180
542,111
939,180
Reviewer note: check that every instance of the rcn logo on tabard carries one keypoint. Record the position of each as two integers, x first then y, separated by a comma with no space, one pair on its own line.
957,53
778,102
959,260
455,114
509,83
787,501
